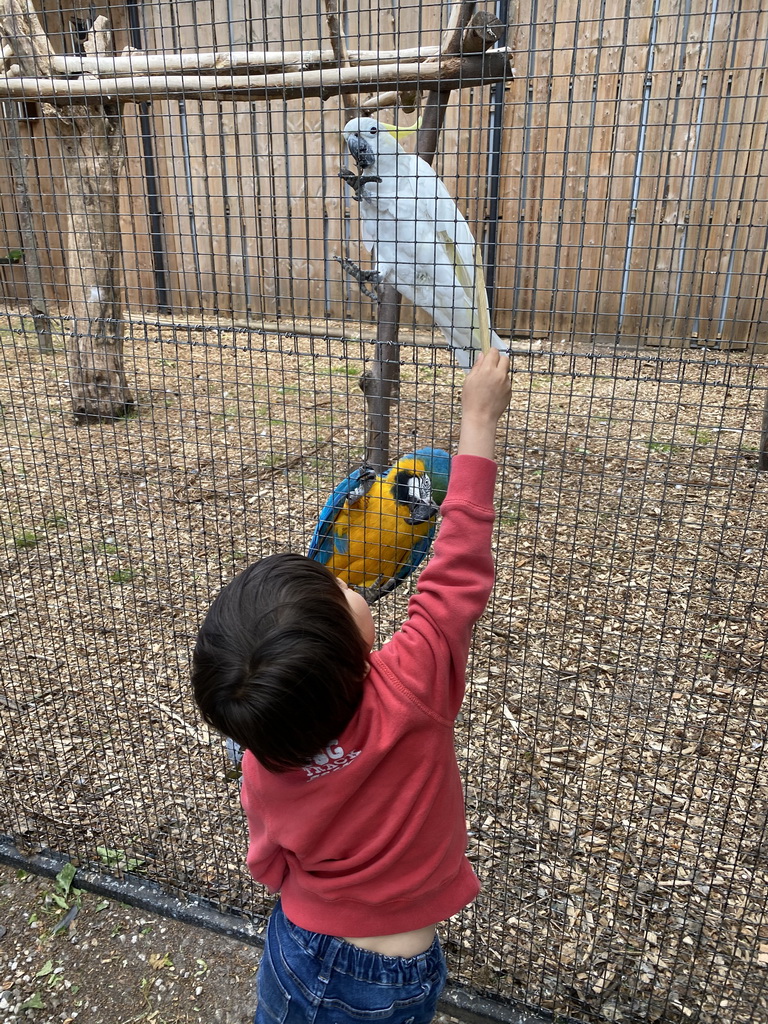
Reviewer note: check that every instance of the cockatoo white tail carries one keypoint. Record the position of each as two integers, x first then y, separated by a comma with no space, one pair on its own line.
420,241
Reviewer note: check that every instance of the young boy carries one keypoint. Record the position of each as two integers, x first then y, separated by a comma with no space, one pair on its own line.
350,783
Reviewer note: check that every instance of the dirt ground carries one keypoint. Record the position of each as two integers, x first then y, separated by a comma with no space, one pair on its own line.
613,737
113,964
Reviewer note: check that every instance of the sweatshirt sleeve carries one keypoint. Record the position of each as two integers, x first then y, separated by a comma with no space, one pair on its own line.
428,656
266,859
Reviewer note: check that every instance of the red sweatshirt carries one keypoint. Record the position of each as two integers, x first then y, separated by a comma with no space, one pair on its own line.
371,838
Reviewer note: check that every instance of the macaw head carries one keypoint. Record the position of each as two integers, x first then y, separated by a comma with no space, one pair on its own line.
411,488
438,465
368,139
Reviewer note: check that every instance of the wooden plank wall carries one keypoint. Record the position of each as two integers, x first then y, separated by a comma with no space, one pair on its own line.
633,171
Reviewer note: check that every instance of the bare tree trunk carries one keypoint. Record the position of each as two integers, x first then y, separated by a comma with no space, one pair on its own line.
93,155
381,383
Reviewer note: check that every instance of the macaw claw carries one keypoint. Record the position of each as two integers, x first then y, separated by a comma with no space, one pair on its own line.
357,181
361,276
380,587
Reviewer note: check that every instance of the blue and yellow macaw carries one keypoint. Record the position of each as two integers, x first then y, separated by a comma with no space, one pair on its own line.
374,530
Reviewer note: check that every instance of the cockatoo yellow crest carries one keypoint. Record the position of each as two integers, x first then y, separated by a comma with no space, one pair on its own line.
402,133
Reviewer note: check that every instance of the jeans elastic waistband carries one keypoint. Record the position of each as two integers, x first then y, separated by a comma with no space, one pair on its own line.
362,964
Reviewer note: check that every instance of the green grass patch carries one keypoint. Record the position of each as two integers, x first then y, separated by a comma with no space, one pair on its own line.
26,540
122,576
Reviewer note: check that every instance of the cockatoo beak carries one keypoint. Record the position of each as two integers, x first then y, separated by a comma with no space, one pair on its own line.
361,152
401,133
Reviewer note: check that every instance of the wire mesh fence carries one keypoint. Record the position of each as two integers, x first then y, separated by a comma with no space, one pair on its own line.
612,740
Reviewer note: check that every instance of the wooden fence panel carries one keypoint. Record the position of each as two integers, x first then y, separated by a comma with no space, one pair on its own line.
657,147
666,153
573,270
591,162
48,195
704,102
135,227
11,275
737,167
624,167
528,154
549,260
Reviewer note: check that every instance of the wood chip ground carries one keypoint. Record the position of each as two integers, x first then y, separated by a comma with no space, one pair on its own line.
612,739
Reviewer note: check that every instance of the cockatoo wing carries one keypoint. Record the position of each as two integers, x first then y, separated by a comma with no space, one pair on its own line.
472,279
350,490
438,205
452,231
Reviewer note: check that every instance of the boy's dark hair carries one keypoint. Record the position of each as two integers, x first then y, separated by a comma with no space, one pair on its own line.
279,662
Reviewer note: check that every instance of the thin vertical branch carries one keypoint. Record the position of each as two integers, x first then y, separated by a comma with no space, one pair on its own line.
334,16
381,385
19,169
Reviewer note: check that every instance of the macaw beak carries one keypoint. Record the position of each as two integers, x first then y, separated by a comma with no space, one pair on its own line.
422,512
414,492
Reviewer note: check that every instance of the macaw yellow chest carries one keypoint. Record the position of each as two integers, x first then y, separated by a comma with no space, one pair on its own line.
373,539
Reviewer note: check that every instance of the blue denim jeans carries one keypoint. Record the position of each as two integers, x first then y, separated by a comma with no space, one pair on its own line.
308,978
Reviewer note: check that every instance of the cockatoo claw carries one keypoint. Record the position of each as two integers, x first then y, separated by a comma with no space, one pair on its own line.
361,276
357,181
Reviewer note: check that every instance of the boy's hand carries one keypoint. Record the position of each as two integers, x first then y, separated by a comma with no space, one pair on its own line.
486,394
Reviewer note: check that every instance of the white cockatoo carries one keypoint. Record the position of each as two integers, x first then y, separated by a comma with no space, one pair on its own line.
421,243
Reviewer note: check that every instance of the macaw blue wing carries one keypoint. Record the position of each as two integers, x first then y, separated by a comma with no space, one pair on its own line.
354,486
417,556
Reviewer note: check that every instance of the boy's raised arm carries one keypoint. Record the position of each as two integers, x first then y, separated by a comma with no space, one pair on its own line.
453,589
486,394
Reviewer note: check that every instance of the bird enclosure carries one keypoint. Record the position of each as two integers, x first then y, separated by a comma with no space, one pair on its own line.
609,160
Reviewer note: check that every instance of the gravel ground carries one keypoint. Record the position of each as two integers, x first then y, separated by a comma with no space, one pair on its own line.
112,964
613,737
